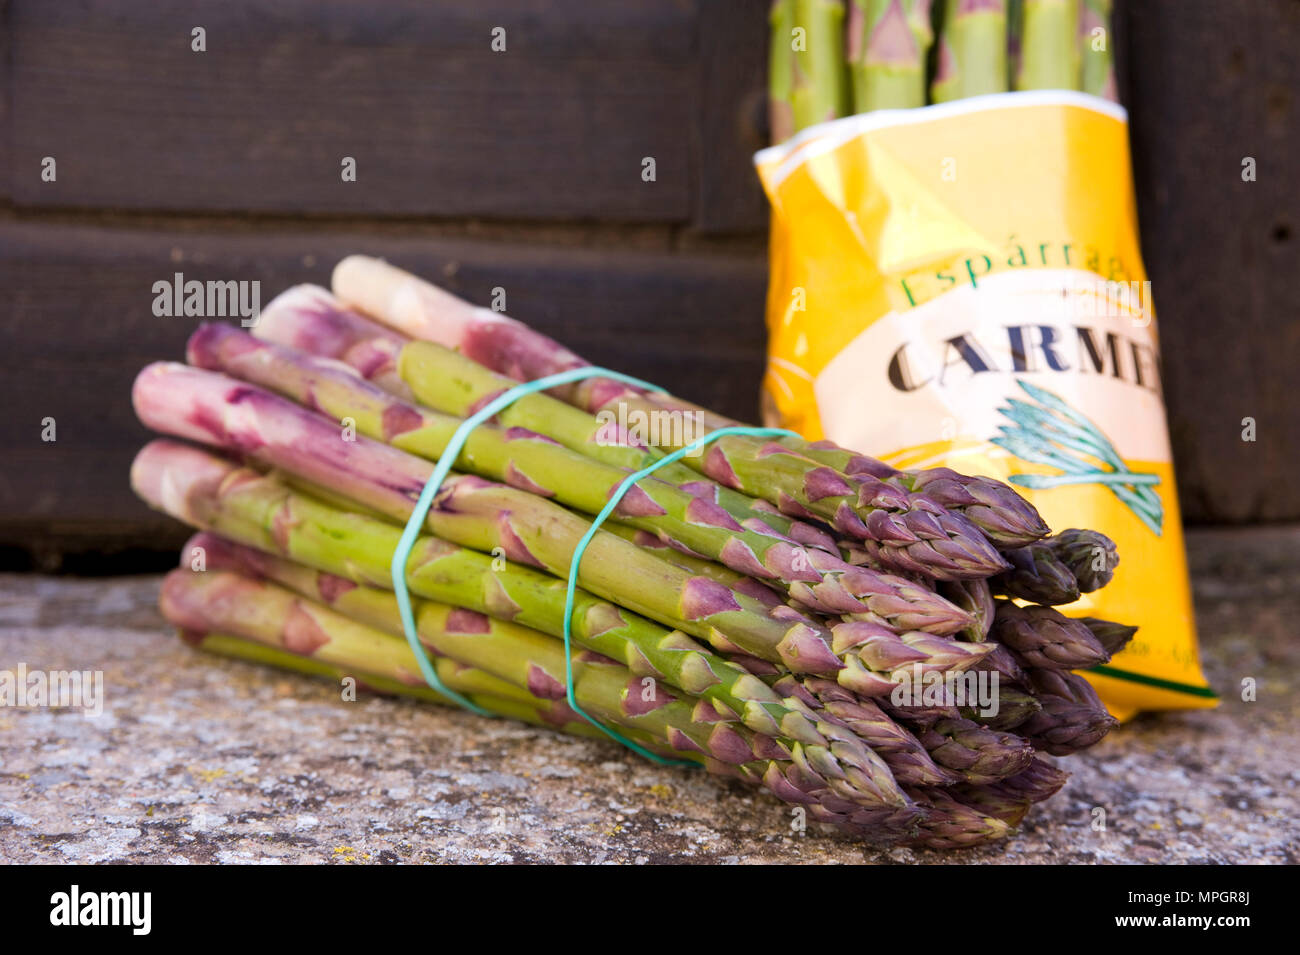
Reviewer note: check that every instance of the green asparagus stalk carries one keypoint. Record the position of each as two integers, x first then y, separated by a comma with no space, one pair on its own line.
688,522
1005,518
1010,808
1058,569
1049,50
1089,555
1037,575
1015,706
1015,22
1112,636
701,566
416,309
482,689
902,751
1098,69
976,599
886,53
227,602
1045,638
934,749
780,72
310,320
819,87
939,542
978,754
526,529
822,701
915,534
1072,718
731,692
1011,798
545,713
1040,781
972,50
264,514
950,824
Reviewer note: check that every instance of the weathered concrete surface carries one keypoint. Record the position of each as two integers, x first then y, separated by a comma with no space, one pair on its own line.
198,759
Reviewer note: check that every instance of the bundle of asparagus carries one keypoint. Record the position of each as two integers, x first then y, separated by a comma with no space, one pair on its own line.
883,56
790,614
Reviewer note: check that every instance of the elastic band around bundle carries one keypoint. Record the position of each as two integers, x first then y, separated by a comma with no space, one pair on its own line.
445,462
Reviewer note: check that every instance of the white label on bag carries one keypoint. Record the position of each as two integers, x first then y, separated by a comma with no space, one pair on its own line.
947,366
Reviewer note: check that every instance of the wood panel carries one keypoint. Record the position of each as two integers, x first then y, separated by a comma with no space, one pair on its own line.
733,115
555,126
79,324
1207,90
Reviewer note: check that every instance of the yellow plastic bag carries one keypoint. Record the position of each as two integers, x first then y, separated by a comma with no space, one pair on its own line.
961,285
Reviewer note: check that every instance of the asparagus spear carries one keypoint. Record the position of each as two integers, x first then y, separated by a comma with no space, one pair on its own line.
312,321
1009,799
972,50
260,611
975,598
901,751
1015,22
979,754
351,550
202,406
1006,518
950,824
420,310
1049,50
1072,718
1045,638
1006,664
906,535
905,754
528,529
552,714
1098,69
263,513
307,319
731,692
923,745
943,544
818,580
1112,636
1015,706
780,72
483,689
818,89
1037,575
700,566
1090,556
1056,570
886,53
1041,780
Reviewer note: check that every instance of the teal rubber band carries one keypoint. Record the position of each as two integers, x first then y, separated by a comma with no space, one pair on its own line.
576,560
402,553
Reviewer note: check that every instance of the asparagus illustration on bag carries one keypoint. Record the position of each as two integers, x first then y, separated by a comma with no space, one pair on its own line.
1055,434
